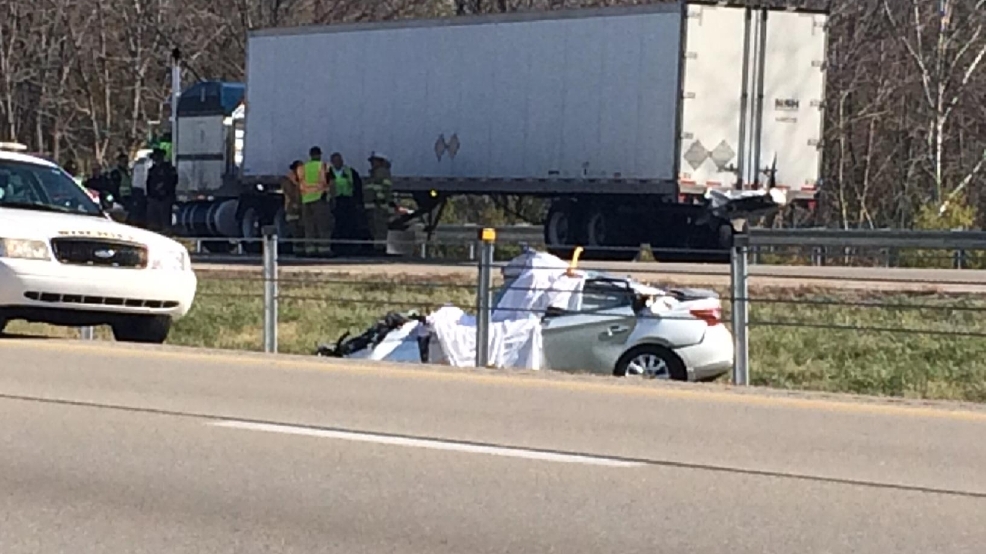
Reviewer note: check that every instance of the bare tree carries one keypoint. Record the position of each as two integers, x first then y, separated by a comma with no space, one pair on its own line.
905,106
945,42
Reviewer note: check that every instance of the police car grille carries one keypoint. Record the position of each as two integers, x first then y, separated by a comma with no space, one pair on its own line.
103,253
85,300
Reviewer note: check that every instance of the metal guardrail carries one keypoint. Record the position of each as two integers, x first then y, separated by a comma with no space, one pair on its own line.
739,275
958,241
805,237
509,233
847,243
464,235
879,238
821,242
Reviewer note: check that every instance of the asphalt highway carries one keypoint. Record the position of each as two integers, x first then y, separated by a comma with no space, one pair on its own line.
110,449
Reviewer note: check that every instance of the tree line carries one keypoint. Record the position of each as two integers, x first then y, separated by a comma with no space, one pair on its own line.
905,140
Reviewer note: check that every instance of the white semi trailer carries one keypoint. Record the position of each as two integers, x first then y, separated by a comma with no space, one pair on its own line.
625,118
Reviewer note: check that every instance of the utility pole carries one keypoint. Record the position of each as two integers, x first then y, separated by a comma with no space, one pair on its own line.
175,94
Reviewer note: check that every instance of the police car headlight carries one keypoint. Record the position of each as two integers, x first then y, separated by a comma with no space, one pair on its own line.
24,249
170,260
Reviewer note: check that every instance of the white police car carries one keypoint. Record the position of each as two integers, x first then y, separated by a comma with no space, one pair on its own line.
63,261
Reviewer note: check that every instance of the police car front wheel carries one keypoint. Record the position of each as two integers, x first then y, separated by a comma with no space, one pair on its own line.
145,329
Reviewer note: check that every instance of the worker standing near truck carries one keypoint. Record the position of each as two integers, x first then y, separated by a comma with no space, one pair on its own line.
349,222
121,182
317,194
291,186
378,199
162,181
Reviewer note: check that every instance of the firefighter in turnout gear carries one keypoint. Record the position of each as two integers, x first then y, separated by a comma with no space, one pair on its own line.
378,200
291,187
348,210
317,193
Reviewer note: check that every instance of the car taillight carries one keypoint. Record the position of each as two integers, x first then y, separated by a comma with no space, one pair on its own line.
711,316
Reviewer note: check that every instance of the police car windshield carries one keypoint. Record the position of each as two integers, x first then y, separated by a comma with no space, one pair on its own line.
43,188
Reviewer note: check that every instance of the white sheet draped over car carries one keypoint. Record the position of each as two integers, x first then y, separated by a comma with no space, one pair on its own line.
599,321
535,282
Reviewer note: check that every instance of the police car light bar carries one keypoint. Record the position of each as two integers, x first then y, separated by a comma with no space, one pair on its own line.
13,147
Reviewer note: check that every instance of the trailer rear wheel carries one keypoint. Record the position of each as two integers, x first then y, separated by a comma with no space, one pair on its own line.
606,236
725,238
562,228
250,229
284,230
217,246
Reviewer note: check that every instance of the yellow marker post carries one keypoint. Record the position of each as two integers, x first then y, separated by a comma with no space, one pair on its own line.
487,239
574,263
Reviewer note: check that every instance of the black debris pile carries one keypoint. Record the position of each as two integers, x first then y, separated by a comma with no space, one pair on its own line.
374,335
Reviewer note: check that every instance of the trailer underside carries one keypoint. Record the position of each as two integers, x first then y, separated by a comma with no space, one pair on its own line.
611,225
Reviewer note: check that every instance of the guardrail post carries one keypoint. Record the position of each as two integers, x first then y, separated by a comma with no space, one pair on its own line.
487,239
818,256
739,287
270,289
959,259
87,333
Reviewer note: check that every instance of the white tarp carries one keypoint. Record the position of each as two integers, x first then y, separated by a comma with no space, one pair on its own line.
513,343
534,281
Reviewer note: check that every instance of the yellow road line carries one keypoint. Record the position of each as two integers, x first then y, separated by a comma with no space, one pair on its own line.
361,367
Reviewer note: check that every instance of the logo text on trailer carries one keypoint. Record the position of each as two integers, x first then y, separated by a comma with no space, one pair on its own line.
787,104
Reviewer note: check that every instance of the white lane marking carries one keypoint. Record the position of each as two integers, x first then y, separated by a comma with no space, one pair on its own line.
427,443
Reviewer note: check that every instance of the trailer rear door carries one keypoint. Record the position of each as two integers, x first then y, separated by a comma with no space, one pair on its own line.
793,89
713,96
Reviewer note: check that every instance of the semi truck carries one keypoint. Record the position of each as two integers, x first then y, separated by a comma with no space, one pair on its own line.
669,124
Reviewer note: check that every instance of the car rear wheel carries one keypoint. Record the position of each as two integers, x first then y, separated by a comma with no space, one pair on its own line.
145,329
651,361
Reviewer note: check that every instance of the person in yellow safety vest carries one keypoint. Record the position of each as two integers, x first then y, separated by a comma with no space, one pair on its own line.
350,224
121,183
378,199
164,143
317,193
